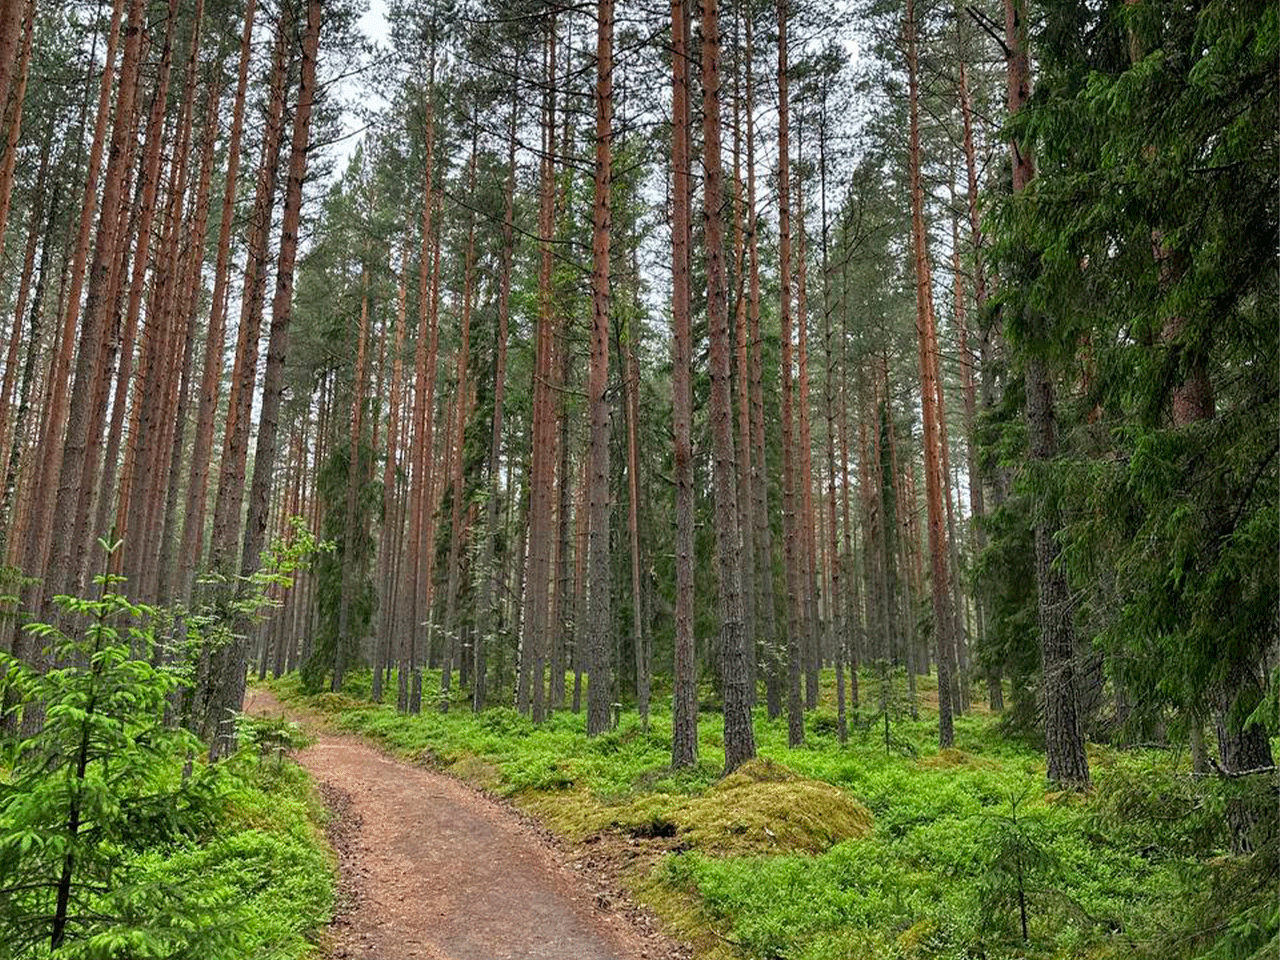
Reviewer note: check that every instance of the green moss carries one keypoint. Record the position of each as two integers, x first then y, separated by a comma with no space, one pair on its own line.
762,808
914,941
824,852
683,916
476,771
574,814
767,808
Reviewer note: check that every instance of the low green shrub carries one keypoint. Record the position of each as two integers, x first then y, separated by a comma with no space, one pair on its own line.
835,852
118,841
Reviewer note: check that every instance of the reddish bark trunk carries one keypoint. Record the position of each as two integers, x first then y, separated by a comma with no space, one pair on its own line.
229,497
15,111
45,487
211,375
930,392
742,391
264,457
763,540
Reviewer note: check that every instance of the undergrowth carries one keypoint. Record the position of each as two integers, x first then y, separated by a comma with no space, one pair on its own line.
265,868
884,847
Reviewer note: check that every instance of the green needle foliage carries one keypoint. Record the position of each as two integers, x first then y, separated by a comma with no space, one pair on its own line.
101,779
116,839
1019,869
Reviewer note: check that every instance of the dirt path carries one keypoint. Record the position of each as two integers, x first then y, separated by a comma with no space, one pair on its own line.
433,869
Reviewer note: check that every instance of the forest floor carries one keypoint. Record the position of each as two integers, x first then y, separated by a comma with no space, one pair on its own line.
884,846
432,868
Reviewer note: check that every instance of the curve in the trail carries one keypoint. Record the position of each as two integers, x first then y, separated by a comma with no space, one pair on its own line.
434,870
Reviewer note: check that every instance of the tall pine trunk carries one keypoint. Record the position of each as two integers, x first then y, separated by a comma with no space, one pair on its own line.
599,626
763,539
56,455
942,619
490,574
229,498
795,701
684,735
211,372
355,475
531,684
630,386
265,452
742,388
835,606
739,738
454,573
408,696
808,572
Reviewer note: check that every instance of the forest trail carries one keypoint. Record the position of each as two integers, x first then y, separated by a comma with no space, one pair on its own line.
432,869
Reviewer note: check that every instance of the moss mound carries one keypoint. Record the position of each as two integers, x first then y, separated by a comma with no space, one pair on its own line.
759,770
763,807
575,813
744,815
951,757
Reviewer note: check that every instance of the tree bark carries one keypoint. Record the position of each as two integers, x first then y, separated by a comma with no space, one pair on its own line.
11,18
235,448
808,573
835,606
63,460
145,440
389,544
211,375
420,451
530,693
854,632
742,389
763,539
355,477
490,583
1064,739
168,586
599,600
35,226
631,385
684,706
15,113
739,737
17,442
265,452
930,393
795,702
36,519
454,573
